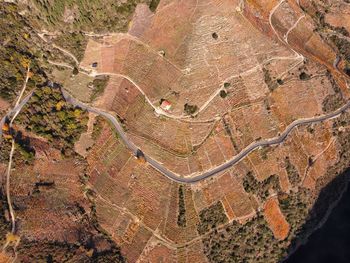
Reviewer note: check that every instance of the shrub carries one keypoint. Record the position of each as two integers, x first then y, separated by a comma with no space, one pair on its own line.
181,218
99,85
223,94
304,76
190,109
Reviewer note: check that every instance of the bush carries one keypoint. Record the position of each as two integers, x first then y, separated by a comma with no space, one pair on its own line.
304,76
75,71
99,85
153,5
190,109
227,85
223,94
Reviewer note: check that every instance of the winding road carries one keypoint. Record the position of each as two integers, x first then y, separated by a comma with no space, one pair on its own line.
14,111
211,172
218,169
166,172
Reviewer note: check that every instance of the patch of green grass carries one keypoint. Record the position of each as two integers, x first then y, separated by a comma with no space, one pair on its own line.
99,85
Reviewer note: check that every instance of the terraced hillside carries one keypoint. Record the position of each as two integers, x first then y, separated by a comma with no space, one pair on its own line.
182,88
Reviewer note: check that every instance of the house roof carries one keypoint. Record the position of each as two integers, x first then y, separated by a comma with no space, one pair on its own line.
166,105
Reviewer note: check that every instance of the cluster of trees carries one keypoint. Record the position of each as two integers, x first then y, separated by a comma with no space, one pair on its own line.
343,46
251,242
261,189
264,151
211,217
95,15
293,175
75,42
343,140
181,217
5,151
48,115
51,251
17,50
24,153
25,150
71,18
341,43
153,5
295,207
254,241
98,125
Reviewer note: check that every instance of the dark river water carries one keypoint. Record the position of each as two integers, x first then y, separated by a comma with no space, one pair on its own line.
331,243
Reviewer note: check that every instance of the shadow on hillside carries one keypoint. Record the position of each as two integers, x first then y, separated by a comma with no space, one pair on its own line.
330,243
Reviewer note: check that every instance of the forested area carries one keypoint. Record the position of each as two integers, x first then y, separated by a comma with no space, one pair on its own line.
48,115
18,50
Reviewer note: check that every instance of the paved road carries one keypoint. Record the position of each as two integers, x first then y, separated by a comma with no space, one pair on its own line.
175,177
336,62
14,111
159,167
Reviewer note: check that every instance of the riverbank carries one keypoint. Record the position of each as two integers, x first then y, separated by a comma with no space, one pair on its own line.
329,240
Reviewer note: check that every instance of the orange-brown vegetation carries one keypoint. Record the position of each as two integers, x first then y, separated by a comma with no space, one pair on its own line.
275,219
234,74
195,63
155,251
5,258
49,187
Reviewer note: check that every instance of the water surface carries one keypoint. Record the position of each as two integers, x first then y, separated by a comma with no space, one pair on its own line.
330,243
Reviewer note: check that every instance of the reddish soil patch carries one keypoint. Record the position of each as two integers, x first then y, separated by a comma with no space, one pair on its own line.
275,219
